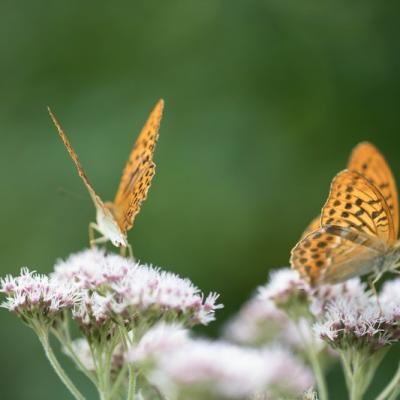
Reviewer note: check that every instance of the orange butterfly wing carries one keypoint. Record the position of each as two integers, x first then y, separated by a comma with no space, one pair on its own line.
96,199
369,162
138,172
356,228
314,225
332,255
354,202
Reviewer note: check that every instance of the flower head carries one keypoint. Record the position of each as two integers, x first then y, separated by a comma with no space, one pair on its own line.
288,291
325,294
162,338
34,295
280,361
202,369
183,367
389,298
258,322
357,321
116,288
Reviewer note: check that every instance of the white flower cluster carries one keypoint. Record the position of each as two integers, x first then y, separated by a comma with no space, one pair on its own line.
344,313
284,284
32,295
160,339
258,321
264,318
360,319
325,294
198,369
390,298
114,287
346,318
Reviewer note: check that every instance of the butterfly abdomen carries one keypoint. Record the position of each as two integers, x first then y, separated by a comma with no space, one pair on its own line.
108,226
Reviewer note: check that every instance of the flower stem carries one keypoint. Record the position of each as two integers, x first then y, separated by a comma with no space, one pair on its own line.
356,386
395,393
392,390
102,370
118,381
67,344
346,369
360,366
44,339
319,375
315,365
131,384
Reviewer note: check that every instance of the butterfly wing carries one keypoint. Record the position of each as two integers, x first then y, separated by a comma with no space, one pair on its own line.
335,254
138,173
314,225
354,202
356,230
96,199
367,160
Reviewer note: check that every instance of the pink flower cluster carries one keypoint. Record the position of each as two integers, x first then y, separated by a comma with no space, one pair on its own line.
357,318
31,294
113,287
197,369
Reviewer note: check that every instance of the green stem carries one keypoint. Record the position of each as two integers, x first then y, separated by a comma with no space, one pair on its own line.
102,372
395,394
44,339
392,390
360,366
131,384
102,353
356,387
346,369
67,344
316,365
319,375
118,381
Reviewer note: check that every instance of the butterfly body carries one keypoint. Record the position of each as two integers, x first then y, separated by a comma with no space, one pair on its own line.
115,218
358,227
108,227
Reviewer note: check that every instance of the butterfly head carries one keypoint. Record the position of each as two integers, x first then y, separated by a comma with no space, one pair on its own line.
108,226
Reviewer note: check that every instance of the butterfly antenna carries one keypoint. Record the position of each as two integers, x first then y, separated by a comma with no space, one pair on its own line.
64,192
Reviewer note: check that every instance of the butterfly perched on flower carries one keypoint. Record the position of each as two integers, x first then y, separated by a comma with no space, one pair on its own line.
114,219
357,231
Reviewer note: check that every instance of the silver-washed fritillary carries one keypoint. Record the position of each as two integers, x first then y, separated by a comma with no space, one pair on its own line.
357,231
115,218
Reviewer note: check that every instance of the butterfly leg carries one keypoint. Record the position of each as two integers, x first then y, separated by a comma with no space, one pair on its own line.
372,281
91,232
92,239
130,252
396,267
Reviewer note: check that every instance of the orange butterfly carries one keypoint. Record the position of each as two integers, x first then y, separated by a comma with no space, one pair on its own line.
357,231
114,219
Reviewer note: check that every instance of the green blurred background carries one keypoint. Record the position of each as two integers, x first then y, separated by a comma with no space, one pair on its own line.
264,101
